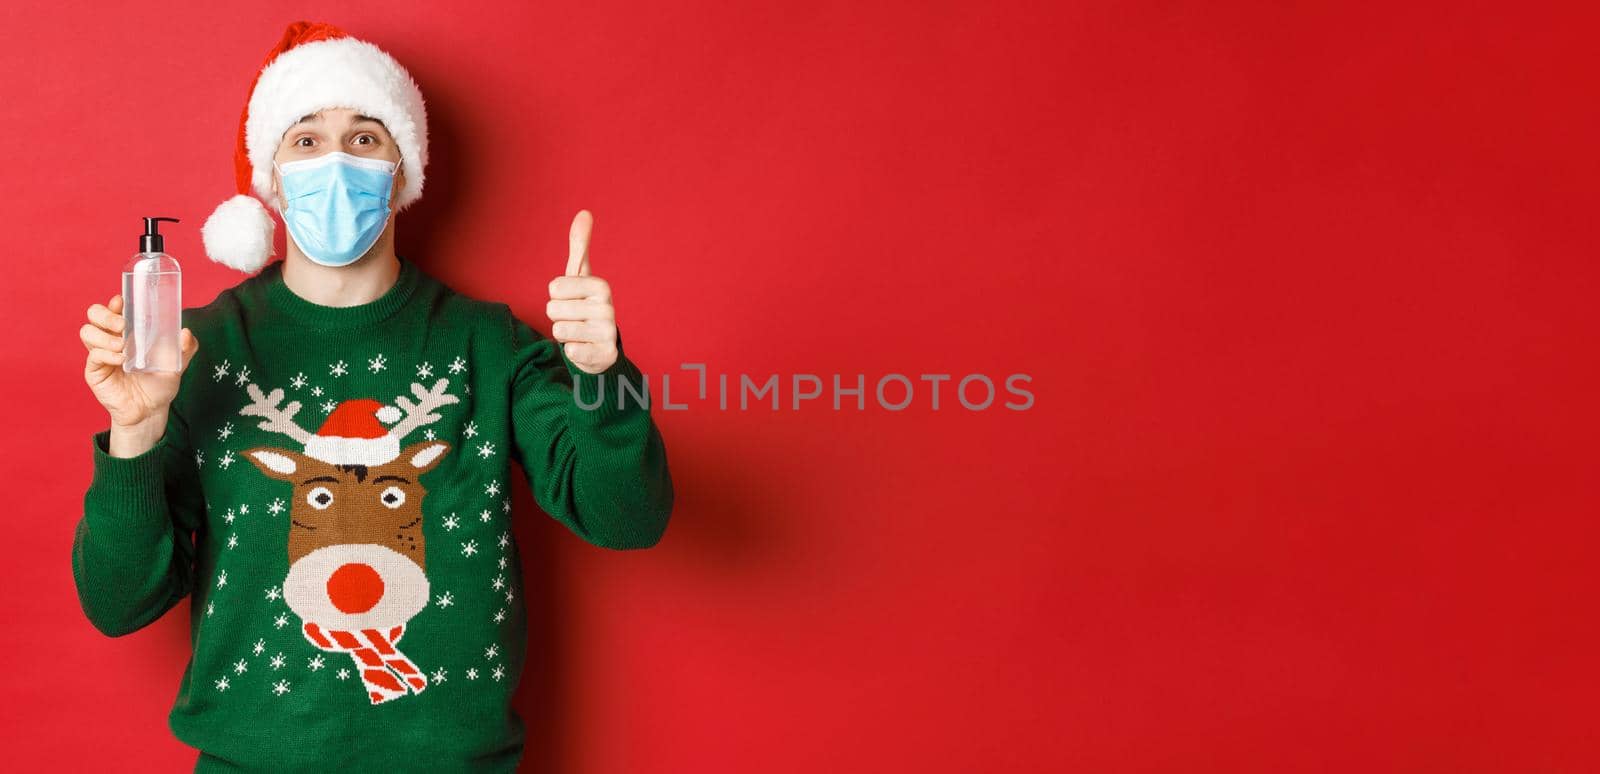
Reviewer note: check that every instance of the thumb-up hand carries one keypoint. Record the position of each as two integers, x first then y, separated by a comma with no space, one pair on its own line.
580,306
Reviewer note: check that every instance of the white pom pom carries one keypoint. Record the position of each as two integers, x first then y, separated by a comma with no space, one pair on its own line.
388,415
239,234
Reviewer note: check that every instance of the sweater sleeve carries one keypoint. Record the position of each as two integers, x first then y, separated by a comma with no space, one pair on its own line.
133,553
595,462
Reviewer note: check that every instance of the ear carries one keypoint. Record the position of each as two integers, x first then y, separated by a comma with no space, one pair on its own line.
423,455
399,184
281,464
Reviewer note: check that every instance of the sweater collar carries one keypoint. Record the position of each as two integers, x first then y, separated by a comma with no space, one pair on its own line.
309,314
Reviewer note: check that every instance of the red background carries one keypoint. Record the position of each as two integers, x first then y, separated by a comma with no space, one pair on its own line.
1306,296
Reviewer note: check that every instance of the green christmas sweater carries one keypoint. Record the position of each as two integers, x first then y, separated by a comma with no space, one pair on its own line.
333,495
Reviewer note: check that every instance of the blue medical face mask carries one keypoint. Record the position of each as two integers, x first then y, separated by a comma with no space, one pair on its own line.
336,205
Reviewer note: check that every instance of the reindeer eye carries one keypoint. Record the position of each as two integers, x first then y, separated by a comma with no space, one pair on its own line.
320,498
394,497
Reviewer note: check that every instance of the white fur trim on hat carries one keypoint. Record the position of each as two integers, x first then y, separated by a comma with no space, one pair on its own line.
353,451
337,73
238,234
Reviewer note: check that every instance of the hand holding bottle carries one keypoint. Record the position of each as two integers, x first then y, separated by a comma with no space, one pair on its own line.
136,401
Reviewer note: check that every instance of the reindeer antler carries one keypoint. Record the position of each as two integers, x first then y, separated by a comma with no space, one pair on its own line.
273,418
421,412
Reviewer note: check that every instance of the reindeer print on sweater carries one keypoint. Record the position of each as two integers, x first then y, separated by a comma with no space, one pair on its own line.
357,552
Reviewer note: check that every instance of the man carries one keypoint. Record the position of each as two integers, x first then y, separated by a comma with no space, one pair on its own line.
331,484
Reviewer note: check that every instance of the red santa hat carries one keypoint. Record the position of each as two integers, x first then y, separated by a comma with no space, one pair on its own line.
353,434
314,66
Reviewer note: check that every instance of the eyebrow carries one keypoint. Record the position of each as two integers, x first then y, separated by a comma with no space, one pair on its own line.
390,478
317,116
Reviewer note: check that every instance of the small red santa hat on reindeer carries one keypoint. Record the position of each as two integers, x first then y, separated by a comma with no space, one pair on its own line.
354,434
314,66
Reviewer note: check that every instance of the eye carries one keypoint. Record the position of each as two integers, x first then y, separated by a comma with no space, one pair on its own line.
305,141
320,498
393,497
370,139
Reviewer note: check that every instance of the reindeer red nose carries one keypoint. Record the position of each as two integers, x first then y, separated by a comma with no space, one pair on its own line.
355,588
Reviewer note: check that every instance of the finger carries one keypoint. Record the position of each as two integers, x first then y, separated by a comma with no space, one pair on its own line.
116,303
590,357
580,287
578,244
94,337
558,310
105,357
594,332
106,318
581,351
95,371
190,346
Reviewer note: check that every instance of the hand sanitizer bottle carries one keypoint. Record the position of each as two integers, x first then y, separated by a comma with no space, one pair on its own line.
152,305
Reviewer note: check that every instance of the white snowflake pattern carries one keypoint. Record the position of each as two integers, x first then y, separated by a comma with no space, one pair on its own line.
486,450
499,671
439,675
281,621
260,645
240,667
472,673
445,600
227,459
428,434
199,459
502,561
499,582
222,685
510,595
451,522
458,365
219,371
425,370
378,363
338,369
505,505
471,430
274,594
277,661
229,516
222,579
492,488
227,430
276,507
505,539
316,390
469,548
342,674
327,406
211,607
491,651
298,381
500,615
484,516
281,687
244,509
243,376
315,663
233,541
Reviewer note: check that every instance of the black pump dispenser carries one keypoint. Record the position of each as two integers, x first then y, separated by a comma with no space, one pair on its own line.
150,241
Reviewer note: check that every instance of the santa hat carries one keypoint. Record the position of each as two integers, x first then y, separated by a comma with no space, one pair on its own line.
353,434
314,66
